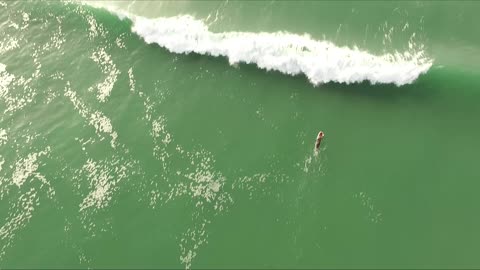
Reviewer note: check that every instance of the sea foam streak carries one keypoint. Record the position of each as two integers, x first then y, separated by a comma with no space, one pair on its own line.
320,61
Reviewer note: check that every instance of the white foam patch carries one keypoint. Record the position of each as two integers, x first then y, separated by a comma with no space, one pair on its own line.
259,183
198,236
26,19
19,216
103,182
206,187
315,163
23,96
159,130
2,161
14,25
320,61
94,29
109,70
58,76
100,122
197,180
3,4
27,182
37,64
57,39
131,80
8,44
119,42
24,171
26,167
205,184
101,179
103,124
5,80
162,138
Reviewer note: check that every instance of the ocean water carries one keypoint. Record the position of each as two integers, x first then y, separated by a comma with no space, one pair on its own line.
156,134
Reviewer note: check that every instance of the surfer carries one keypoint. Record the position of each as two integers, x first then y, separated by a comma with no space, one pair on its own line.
319,139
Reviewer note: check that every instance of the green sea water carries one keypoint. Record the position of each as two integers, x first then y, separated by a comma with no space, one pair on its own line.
120,153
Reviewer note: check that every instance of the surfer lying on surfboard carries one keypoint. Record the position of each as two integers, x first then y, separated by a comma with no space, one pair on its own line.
319,140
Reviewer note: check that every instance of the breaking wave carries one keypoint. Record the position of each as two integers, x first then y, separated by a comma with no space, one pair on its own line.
320,61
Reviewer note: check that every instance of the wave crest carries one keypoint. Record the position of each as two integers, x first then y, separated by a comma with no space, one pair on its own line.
293,54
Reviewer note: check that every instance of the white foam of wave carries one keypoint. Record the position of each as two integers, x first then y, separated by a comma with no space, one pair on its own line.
5,79
320,61
26,19
94,29
131,80
25,174
23,94
109,70
8,44
102,180
120,42
191,240
259,183
103,183
198,180
206,187
57,39
159,130
98,120
19,216
27,167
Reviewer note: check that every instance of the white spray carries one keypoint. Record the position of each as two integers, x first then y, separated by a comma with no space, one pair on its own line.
292,54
